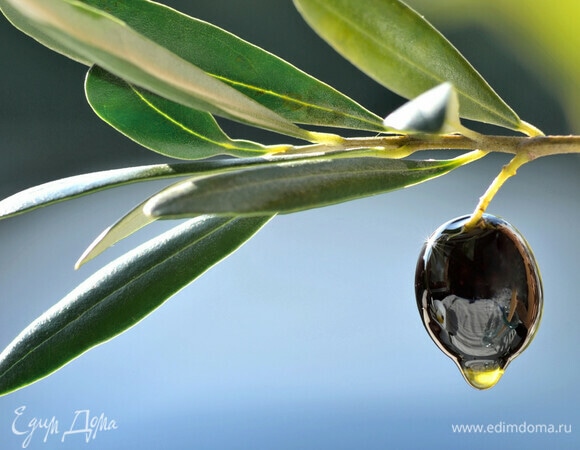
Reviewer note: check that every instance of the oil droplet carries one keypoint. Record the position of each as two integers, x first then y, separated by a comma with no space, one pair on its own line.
482,379
479,293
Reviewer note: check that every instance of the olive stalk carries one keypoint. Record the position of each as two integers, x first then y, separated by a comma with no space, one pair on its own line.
508,171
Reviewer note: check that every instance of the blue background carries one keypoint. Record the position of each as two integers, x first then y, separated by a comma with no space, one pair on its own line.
308,337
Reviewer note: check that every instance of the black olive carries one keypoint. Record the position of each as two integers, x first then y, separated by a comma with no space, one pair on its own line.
480,297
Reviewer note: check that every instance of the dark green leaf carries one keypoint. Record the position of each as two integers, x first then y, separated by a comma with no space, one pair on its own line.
397,47
260,75
294,186
120,295
161,125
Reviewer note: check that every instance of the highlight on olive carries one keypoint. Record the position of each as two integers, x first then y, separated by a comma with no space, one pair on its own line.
480,296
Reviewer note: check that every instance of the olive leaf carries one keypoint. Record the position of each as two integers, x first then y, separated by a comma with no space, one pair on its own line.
80,185
130,223
551,32
294,186
212,71
397,47
120,295
264,77
92,36
159,124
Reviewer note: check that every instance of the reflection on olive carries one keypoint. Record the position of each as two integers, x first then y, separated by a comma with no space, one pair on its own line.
479,294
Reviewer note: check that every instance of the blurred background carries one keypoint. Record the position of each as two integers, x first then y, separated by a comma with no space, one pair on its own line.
308,337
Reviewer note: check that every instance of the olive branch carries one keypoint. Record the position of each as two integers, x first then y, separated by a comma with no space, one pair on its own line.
164,93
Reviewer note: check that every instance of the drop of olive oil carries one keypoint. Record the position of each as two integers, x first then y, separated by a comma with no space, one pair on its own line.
479,293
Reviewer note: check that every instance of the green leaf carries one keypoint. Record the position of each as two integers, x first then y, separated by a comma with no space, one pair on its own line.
130,223
92,36
77,186
80,185
545,40
118,296
398,48
161,125
295,186
266,78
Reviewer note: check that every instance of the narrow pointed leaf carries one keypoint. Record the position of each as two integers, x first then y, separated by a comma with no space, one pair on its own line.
130,223
159,124
398,48
118,296
76,186
259,74
80,185
295,186
91,35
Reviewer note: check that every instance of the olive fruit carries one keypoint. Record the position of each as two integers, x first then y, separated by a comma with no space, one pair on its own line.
479,293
